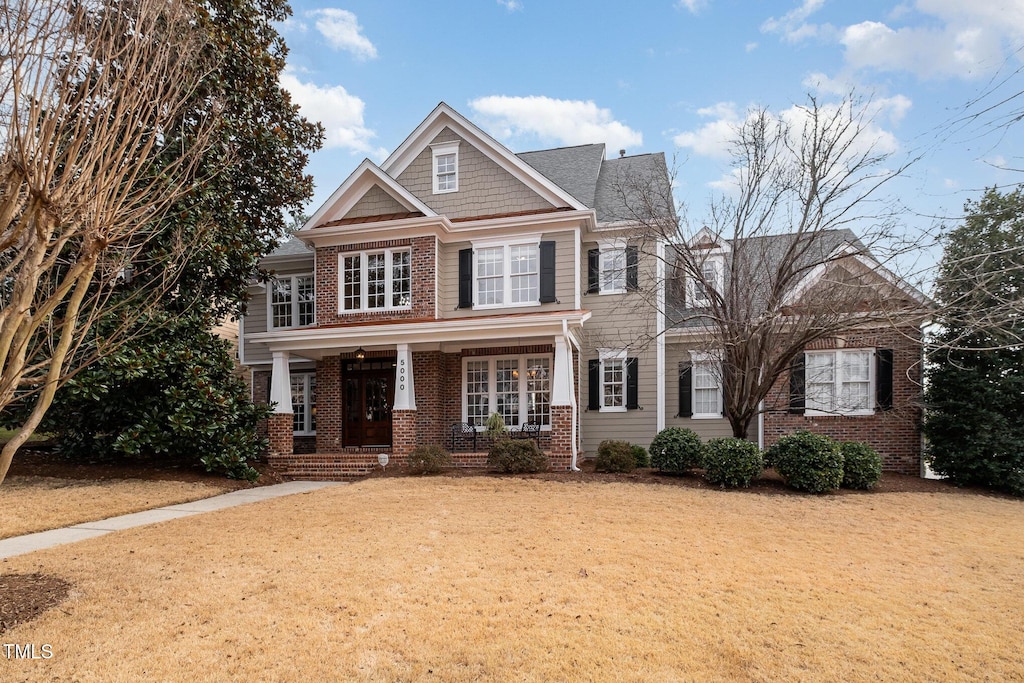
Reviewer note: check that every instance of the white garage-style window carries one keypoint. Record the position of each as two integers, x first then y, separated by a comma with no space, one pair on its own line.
516,387
506,274
839,382
375,280
292,302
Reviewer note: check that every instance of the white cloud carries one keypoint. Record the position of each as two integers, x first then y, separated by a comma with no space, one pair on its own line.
551,121
751,46
342,30
511,5
340,113
713,139
793,25
694,6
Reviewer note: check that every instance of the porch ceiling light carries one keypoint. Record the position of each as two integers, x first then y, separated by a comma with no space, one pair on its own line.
360,353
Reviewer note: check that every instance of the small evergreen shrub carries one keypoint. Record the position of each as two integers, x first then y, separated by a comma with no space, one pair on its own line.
495,428
640,456
516,456
732,462
429,459
615,456
675,449
862,466
808,462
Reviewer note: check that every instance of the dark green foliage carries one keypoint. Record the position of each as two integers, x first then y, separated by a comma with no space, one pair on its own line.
975,375
429,459
640,456
174,394
615,456
808,462
516,456
862,466
675,449
732,462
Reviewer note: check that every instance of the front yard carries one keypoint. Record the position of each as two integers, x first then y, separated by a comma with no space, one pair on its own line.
467,579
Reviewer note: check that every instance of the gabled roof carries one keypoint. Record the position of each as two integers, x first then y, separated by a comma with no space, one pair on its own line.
443,117
366,175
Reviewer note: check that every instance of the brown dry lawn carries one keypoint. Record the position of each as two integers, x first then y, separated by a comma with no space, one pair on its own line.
30,504
469,579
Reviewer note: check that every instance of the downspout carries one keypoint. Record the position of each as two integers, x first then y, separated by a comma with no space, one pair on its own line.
572,398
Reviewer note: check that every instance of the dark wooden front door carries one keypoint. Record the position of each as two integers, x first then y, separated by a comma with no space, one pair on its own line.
368,397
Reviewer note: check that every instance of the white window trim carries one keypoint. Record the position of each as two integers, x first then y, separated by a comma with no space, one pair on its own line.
613,354
604,247
388,281
307,394
691,281
440,149
506,271
295,302
492,385
706,358
838,382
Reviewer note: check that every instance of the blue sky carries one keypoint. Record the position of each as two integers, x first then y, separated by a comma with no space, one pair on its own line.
667,76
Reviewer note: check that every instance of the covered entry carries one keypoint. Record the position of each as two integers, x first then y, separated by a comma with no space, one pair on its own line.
367,397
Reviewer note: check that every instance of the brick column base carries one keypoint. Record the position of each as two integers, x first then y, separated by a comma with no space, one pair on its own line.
403,434
560,452
279,431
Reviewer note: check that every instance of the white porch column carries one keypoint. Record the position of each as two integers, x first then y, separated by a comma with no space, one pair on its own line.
561,390
281,383
405,394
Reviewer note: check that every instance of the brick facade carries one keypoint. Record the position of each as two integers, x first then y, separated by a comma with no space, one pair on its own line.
423,252
895,434
279,431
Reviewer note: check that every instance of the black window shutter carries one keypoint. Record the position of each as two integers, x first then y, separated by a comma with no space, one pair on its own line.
593,271
547,272
796,386
632,258
685,390
632,386
883,378
465,278
594,366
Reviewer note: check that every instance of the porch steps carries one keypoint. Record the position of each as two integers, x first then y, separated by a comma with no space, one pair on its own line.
335,466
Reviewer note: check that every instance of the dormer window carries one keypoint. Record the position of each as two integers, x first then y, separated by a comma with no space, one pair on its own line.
701,289
446,167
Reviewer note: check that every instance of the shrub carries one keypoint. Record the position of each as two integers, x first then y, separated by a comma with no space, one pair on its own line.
615,456
640,456
808,462
732,462
515,456
429,459
675,449
862,467
495,428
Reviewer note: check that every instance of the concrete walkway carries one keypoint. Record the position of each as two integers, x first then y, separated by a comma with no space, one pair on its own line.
19,545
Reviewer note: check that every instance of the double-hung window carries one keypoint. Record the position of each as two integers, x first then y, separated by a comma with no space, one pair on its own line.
516,387
292,303
710,280
376,280
445,161
613,380
507,274
613,270
707,385
839,382
303,402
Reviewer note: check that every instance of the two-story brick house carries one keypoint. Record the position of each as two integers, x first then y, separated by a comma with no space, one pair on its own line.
458,279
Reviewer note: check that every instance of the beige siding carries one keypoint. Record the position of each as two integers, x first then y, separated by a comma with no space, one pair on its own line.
565,279
255,319
376,202
621,321
485,189
706,429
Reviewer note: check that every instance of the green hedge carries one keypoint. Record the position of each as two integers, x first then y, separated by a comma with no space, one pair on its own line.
732,462
429,459
862,466
675,449
516,456
615,456
808,462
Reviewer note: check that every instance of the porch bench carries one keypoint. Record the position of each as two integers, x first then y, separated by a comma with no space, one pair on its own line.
529,430
465,429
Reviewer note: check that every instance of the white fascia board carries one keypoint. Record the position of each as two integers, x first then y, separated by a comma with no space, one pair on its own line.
297,261
355,186
496,328
443,115
705,234
544,222
376,231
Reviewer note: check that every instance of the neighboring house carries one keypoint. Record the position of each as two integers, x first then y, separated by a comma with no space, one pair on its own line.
458,279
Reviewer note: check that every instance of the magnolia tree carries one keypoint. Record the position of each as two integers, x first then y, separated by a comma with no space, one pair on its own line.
777,266
97,139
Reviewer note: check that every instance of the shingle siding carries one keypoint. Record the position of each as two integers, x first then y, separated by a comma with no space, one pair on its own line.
376,202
